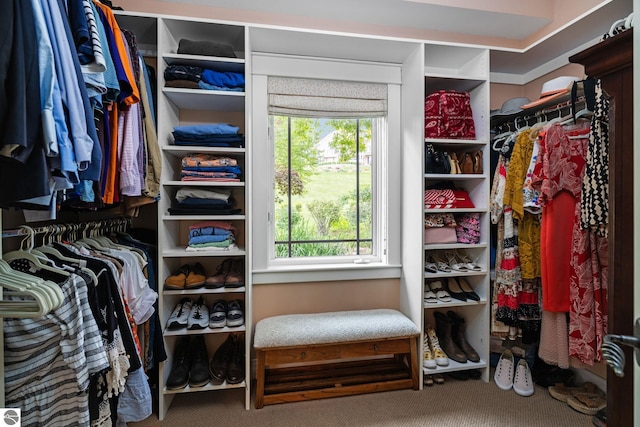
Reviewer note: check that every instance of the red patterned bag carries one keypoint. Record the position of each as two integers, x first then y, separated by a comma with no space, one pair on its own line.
439,199
447,114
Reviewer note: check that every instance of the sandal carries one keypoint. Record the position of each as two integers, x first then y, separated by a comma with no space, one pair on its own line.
440,292
466,260
430,266
562,392
440,263
454,262
429,295
587,403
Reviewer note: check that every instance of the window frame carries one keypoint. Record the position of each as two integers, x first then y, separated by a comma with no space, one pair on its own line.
265,267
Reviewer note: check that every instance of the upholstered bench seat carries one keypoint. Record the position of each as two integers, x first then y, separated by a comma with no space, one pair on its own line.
312,356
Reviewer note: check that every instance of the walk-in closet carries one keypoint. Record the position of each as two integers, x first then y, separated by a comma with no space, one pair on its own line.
468,166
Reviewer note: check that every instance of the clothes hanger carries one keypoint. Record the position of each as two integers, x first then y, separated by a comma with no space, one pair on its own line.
48,294
36,262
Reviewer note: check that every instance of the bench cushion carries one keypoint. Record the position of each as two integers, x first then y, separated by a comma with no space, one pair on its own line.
292,330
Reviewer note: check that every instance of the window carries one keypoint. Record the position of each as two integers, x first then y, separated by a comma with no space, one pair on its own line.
325,156
324,186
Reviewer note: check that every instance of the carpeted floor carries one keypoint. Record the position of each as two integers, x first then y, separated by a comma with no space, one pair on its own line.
453,404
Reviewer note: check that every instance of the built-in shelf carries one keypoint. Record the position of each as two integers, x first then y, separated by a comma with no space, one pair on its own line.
235,65
203,99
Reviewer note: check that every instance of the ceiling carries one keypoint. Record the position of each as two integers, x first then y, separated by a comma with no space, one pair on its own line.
523,35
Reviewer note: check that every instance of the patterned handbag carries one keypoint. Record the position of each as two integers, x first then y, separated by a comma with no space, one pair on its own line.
448,114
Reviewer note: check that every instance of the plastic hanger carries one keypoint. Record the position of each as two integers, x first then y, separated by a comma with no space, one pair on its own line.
46,295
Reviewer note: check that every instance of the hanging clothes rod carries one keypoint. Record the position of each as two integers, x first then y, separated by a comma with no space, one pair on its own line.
86,225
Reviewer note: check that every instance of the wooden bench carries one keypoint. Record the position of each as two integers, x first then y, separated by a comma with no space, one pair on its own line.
315,356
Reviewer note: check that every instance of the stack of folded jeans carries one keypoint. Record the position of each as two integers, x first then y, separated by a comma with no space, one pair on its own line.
209,167
208,135
212,236
199,201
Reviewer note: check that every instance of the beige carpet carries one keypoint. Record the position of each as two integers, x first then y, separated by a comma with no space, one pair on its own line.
453,404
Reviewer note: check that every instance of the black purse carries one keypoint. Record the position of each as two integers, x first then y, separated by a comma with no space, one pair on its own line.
436,161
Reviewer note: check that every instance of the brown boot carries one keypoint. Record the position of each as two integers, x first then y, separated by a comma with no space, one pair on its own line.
444,327
458,332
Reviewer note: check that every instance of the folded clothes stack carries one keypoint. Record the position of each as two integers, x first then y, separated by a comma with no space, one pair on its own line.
198,201
192,77
208,135
212,236
208,167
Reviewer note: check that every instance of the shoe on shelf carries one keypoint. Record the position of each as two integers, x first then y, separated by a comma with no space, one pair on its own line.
438,353
503,375
235,313
522,380
235,275
454,262
429,265
440,262
469,293
217,280
428,361
429,296
199,315
180,315
475,374
196,277
444,327
468,262
235,374
218,314
438,288
459,375
178,279
179,375
458,331
199,371
453,288
219,365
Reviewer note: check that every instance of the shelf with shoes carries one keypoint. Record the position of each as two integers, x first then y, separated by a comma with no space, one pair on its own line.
203,196
456,264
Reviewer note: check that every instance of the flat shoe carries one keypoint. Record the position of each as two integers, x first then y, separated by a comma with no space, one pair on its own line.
440,292
438,378
562,392
587,403
453,288
468,291
429,295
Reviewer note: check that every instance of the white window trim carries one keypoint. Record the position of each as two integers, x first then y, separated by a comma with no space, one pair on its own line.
266,270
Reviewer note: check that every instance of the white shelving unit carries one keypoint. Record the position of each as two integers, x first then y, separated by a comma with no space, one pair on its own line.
466,70
178,106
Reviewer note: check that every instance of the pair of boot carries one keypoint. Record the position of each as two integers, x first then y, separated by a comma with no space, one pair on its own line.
227,363
190,360
450,329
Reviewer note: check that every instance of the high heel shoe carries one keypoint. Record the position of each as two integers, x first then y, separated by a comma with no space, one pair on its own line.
466,260
454,262
441,263
468,291
453,288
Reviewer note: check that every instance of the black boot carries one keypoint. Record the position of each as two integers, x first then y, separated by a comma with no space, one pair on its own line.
199,372
179,375
219,365
444,332
458,330
235,374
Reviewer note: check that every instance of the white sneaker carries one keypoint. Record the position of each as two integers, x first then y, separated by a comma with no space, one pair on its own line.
522,380
199,315
503,375
180,315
